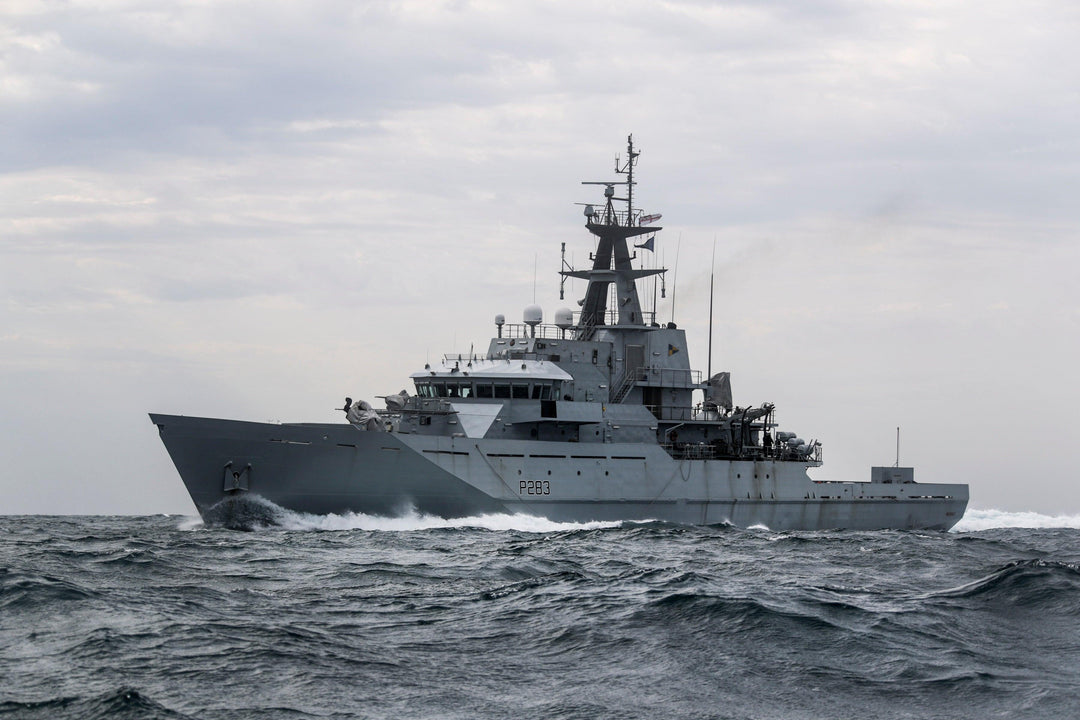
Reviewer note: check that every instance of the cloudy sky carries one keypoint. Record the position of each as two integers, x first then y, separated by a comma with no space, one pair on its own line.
252,209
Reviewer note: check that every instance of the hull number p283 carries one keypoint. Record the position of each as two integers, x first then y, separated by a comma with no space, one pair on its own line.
534,487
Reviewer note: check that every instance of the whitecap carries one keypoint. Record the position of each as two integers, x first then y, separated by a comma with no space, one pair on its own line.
975,520
412,520
258,513
188,523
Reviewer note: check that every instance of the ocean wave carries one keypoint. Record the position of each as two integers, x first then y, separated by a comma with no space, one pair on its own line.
1023,582
801,624
188,523
747,612
254,513
513,588
123,703
19,590
976,520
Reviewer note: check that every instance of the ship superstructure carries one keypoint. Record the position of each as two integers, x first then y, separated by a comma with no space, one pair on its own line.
592,417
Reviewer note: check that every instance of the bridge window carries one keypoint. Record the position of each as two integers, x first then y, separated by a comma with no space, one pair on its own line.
451,389
458,390
540,390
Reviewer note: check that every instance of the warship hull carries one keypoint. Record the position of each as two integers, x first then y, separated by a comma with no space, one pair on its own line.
591,418
338,468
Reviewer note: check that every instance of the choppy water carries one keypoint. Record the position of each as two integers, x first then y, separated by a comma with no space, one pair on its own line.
509,617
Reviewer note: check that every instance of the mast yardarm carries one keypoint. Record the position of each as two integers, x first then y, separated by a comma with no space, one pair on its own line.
611,261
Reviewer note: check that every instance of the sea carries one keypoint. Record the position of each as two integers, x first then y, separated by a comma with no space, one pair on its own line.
510,616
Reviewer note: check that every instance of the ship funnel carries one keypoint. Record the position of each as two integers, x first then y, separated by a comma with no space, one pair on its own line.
532,317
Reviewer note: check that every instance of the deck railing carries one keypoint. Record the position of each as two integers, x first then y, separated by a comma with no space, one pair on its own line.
708,451
554,332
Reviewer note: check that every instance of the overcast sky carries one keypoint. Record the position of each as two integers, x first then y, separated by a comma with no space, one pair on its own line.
252,209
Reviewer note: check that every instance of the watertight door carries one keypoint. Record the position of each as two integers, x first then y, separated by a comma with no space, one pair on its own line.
635,359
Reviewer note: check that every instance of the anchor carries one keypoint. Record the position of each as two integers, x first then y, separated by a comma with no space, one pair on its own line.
236,481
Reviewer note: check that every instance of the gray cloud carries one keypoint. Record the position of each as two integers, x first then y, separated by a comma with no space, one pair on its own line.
251,210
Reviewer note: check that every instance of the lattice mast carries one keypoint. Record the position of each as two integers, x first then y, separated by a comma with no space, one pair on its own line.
612,259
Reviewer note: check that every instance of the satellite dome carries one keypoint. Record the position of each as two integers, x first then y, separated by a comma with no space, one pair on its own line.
533,315
564,318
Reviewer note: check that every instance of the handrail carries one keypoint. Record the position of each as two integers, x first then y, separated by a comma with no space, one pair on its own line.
621,388
708,451
579,330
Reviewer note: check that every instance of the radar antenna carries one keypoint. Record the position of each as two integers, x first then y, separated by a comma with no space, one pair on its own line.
628,170
621,168
612,278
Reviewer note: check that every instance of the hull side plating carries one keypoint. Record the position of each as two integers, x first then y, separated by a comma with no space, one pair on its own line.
335,468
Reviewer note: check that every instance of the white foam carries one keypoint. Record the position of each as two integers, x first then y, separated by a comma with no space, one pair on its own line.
412,520
975,520
190,523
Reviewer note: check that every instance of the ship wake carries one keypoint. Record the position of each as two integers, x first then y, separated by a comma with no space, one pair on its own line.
251,513
976,520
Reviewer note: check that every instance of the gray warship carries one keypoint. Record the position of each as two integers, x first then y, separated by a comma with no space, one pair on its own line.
591,418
